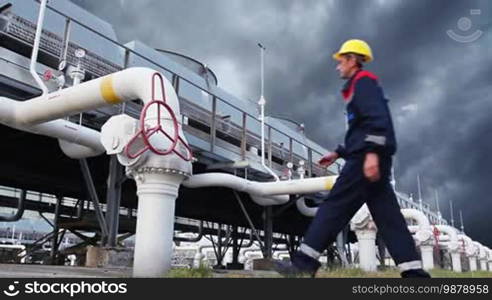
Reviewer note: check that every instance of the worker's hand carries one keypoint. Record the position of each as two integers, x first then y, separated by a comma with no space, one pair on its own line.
371,167
328,159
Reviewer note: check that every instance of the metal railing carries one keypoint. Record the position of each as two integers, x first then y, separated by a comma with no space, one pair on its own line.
270,129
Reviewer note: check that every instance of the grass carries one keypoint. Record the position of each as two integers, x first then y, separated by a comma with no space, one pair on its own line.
394,273
201,272
204,272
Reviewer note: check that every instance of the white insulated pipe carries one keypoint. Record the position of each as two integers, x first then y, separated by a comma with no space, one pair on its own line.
367,249
427,253
423,235
243,252
470,251
122,86
262,103
277,254
453,245
472,260
365,230
199,255
249,257
424,239
264,189
304,209
272,200
43,115
68,133
157,195
35,48
20,247
157,192
482,256
416,215
490,259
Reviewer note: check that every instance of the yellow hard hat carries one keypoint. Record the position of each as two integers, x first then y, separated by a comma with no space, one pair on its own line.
355,46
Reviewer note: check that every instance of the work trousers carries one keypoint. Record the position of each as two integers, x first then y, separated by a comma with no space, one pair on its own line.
351,190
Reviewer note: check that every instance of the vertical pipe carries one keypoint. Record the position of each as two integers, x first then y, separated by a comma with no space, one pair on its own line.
483,264
35,48
439,216
427,252
420,193
243,137
262,103
473,263
213,124
157,195
452,213
66,40
291,153
462,227
310,162
367,249
270,146
456,261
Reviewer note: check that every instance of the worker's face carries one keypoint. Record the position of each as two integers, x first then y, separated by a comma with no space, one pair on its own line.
346,66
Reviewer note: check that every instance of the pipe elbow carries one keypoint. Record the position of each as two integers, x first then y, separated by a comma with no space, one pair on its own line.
417,216
304,209
76,151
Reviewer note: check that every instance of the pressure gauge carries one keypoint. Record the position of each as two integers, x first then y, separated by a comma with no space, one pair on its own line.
79,53
62,65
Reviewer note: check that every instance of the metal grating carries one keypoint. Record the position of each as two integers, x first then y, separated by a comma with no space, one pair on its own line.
52,44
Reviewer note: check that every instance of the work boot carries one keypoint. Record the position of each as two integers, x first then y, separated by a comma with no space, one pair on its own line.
300,266
415,273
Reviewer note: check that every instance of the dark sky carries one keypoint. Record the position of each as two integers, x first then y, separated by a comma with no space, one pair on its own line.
439,87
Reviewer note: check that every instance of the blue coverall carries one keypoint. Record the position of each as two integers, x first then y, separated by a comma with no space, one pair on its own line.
370,130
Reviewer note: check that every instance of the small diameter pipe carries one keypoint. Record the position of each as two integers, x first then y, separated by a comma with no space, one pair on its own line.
262,103
35,48
265,189
262,110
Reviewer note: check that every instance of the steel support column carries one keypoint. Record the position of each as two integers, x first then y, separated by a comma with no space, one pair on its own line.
54,240
113,198
268,229
95,199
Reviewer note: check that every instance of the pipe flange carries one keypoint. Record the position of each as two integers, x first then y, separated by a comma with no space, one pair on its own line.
453,246
157,170
424,237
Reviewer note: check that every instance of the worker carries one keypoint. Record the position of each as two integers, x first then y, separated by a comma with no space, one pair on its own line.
365,178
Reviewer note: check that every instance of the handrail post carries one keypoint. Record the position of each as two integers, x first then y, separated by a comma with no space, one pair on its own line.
243,137
213,125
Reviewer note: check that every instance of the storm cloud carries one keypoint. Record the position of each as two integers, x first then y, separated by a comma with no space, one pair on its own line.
439,88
